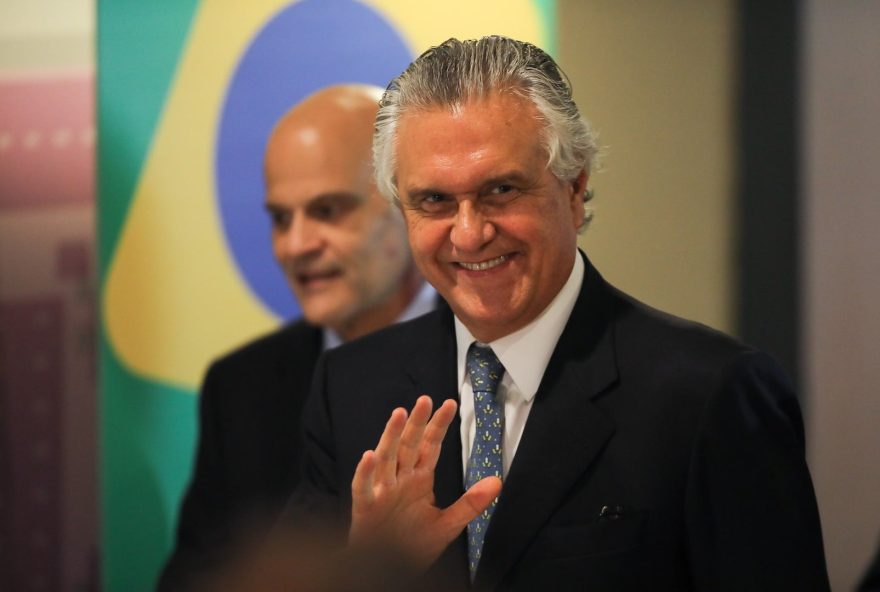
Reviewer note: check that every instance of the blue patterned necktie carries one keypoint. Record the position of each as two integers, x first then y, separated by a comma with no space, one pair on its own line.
485,372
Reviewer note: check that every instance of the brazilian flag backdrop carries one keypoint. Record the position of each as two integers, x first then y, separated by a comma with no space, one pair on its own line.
188,92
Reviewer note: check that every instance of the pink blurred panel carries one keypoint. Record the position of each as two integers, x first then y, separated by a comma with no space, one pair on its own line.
31,392
46,140
73,260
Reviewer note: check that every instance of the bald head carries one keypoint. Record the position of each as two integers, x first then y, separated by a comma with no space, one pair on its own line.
341,245
331,128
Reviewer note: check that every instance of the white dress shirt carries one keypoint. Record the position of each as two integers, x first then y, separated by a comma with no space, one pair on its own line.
525,355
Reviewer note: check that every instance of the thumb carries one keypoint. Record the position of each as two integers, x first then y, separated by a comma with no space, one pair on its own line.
475,500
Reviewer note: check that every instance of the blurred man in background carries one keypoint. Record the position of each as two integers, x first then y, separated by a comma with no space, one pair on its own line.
344,251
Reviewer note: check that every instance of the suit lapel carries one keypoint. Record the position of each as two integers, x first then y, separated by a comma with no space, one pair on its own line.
433,369
296,364
564,434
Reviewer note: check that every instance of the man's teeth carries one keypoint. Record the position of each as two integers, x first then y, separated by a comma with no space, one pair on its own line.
483,265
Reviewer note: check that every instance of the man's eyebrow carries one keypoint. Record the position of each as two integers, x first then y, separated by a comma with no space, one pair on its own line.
273,207
331,195
509,177
337,195
514,176
423,192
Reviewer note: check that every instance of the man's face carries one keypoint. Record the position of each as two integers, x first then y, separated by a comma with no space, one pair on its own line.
340,244
489,225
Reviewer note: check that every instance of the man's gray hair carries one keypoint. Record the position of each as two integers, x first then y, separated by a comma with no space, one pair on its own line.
456,72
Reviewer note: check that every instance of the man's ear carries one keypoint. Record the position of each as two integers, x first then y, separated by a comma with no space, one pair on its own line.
580,184
578,187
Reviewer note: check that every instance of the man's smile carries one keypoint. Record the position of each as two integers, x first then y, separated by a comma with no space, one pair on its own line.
483,265
308,279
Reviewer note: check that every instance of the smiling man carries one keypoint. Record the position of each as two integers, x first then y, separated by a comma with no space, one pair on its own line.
485,213
581,439
343,249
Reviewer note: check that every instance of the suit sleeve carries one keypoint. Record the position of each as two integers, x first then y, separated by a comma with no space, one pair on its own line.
202,526
751,512
871,580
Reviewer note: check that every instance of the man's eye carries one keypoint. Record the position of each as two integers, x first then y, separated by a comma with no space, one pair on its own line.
327,211
334,208
279,219
501,195
432,203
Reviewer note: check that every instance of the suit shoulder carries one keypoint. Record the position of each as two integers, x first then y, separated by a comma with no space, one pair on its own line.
395,340
695,366
664,332
671,350
274,369
294,340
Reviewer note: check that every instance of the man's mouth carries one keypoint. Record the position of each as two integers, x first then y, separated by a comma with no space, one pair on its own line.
315,277
483,265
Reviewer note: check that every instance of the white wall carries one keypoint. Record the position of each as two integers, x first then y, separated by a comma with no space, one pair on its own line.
841,254
46,34
657,79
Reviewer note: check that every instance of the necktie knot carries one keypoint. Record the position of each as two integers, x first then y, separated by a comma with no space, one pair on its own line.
484,368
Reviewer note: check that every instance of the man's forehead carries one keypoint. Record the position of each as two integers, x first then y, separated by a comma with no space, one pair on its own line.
315,142
468,127
297,177
496,122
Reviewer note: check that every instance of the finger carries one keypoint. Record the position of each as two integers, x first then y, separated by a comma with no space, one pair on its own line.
386,450
411,440
362,482
435,431
475,500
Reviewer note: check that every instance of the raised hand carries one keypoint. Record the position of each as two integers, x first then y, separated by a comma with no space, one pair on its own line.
393,487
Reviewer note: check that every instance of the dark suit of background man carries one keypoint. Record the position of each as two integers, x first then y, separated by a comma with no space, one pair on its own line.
640,451
343,249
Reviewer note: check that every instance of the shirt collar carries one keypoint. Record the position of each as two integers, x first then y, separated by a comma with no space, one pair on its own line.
526,352
423,303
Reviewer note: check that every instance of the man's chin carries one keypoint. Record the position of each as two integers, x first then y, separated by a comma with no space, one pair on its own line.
324,316
484,321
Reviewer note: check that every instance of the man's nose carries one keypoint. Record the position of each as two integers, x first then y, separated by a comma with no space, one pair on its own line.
471,229
300,238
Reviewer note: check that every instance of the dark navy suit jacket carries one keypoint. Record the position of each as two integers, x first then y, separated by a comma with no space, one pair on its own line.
659,455
249,449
